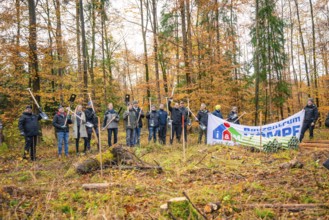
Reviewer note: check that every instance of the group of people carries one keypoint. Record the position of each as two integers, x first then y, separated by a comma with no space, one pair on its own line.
85,123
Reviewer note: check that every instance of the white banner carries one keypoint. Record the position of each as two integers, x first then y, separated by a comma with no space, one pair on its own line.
220,131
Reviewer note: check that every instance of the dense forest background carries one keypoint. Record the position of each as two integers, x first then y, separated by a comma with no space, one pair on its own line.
262,55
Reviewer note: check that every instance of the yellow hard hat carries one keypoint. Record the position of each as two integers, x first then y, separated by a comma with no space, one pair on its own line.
217,107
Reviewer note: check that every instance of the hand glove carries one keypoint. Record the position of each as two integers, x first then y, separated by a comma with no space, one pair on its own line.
22,133
63,126
40,109
312,124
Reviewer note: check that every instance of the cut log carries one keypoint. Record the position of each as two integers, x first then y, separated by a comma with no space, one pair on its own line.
314,145
95,186
290,207
316,141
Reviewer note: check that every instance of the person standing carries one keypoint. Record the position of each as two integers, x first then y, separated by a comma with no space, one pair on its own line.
310,118
139,115
111,119
130,123
153,123
91,117
202,118
163,117
233,116
28,125
79,128
61,123
176,124
185,114
217,112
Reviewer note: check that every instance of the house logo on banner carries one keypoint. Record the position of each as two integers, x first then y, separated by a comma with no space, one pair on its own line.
226,133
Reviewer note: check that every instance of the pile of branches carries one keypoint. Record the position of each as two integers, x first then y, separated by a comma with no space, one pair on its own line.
117,157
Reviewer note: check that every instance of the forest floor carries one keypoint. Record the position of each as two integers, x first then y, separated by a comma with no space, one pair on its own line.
233,176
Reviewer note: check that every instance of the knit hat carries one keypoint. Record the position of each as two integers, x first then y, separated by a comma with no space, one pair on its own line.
217,107
311,99
28,106
135,102
60,106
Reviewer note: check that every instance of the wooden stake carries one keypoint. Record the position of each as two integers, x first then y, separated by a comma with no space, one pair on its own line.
183,126
260,128
100,148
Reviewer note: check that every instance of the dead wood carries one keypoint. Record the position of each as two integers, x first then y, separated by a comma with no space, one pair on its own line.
95,186
291,207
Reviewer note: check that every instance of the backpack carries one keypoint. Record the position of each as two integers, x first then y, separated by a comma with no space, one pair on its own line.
326,123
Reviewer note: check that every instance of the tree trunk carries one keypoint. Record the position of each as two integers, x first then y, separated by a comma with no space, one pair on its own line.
315,72
155,48
185,43
303,48
103,26
144,29
33,57
59,45
78,36
256,60
92,57
49,29
84,51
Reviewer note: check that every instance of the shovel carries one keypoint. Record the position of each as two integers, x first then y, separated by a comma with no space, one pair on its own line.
42,114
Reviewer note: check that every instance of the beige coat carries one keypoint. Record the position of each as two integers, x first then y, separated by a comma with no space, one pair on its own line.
83,130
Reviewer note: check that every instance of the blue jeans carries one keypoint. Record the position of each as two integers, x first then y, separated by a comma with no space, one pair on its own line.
63,136
130,132
153,133
137,135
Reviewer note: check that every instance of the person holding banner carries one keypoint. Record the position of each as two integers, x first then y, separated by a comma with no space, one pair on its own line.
139,115
111,117
176,117
202,118
61,123
163,117
233,116
130,123
153,123
28,125
310,118
217,112
91,117
79,128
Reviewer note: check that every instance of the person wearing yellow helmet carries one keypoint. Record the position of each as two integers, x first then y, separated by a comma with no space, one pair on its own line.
217,112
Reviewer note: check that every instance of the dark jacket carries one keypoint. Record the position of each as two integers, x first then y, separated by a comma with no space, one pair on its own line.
59,121
185,113
176,115
91,116
202,117
132,119
28,123
108,116
163,116
137,112
153,118
311,113
218,114
232,117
